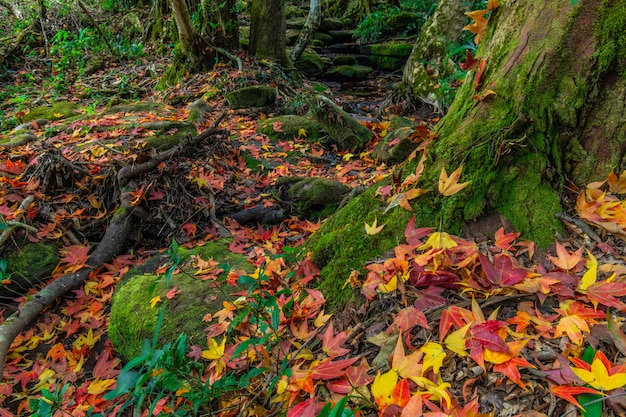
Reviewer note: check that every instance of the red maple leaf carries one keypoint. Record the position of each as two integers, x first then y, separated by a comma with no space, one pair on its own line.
327,369
331,343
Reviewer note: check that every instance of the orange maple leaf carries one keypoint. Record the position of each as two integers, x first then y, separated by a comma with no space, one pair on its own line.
565,260
449,185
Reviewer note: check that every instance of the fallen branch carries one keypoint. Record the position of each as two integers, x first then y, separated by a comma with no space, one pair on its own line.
11,226
111,244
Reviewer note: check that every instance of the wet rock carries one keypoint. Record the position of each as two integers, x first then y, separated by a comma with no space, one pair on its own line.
316,197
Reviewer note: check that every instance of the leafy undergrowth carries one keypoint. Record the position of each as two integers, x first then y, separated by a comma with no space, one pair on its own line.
447,326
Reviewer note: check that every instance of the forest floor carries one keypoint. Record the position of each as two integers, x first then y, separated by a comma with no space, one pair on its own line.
447,325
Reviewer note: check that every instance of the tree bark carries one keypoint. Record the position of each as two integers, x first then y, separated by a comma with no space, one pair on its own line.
194,46
267,31
311,24
428,61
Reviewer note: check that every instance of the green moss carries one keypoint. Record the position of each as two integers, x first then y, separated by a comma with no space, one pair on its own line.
57,111
397,49
341,245
133,319
290,126
252,96
610,35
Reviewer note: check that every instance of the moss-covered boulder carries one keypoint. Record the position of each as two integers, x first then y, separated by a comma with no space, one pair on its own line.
310,63
133,319
56,111
349,72
28,266
344,60
315,197
347,133
253,96
396,146
388,56
290,127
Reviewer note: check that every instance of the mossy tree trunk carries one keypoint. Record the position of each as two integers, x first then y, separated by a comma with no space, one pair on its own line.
267,31
192,45
429,62
557,116
311,24
557,69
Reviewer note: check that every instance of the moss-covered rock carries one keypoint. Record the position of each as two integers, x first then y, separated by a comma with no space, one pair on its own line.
56,111
325,38
387,63
341,244
343,130
315,197
397,49
133,319
28,266
349,72
253,96
310,63
291,126
344,60
395,147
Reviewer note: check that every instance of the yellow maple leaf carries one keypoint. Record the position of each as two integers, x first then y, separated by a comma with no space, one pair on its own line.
374,228
449,185
573,326
601,375
456,340
590,276
99,386
154,301
439,240
215,350
383,386
302,132
409,367
347,156
433,357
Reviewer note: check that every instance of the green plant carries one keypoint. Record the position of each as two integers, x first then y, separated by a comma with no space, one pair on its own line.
49,402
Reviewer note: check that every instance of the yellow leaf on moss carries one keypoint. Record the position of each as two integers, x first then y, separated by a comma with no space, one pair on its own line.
154,301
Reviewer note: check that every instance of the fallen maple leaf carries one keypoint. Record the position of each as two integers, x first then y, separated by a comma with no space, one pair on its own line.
601,374
374,228
564,259
449,185
331,343
617,185
567,393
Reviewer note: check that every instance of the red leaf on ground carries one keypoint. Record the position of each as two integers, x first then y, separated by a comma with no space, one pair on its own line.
328,369
331,343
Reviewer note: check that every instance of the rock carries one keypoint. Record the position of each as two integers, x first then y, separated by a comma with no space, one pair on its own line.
324,37
396,122
291,36
344,60
197,109
395,147
388,56
28,266
296,22
349,72
133,319
316,197
330,23
399,49
253,96
290,126
343,130
310,63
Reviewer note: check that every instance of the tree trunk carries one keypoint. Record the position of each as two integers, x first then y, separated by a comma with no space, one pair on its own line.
311,24
557,116
267,31
428,62
193,46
